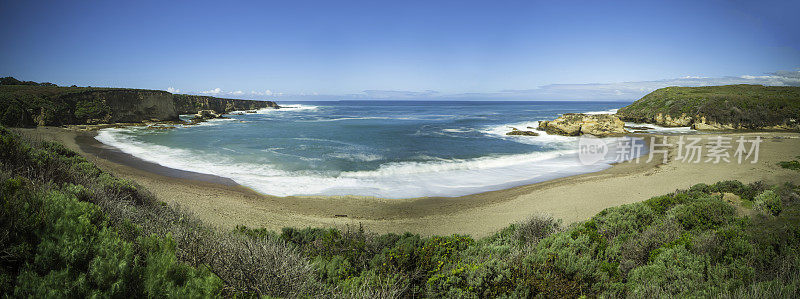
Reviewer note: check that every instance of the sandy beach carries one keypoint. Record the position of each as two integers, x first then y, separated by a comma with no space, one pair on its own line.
223,203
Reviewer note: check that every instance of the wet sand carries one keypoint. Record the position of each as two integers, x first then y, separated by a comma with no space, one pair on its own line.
221,202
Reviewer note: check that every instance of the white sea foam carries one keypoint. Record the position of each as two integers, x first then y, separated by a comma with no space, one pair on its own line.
440,177
213,122
660,129
358,118
459,130
543,138
294,107
288,108
610,111
358,157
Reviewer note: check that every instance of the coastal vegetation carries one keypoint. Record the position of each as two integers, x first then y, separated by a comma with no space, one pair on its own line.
793,164
70,229
719,107
14,81
691,243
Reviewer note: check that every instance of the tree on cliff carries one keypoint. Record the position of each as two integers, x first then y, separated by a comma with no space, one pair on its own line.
14,81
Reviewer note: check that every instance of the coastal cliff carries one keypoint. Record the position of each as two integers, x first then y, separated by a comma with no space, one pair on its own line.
32,105
729,107
190,104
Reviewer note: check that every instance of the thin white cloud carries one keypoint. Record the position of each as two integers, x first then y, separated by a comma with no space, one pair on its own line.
214,91
263,93
589,91
173,90
637,89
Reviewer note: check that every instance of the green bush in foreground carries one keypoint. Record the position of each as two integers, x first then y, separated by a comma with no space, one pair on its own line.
118,239
688,244
61,247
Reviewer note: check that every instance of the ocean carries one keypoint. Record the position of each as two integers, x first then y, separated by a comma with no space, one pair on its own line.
388,149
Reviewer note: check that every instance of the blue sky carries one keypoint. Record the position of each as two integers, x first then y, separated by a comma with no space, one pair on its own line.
505,50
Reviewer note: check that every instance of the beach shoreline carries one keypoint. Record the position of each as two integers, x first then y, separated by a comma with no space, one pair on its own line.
221,202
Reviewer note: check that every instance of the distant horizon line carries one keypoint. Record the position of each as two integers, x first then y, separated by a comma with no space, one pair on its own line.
562,92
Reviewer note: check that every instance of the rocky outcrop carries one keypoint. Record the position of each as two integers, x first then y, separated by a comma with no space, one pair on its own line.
204,115
207,114
576,124
190,104
701,122
517,132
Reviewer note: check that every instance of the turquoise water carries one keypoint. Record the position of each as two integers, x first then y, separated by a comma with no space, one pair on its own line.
392,149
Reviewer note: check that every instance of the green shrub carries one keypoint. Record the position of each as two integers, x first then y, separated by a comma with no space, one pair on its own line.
660,204
734,187
91,109
75,254
164,276
768,203
674,272
637,250
703,214
15,116
793,165
701,188
535,228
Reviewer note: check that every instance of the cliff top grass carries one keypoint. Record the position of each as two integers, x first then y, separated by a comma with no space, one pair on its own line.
21,91
746,105
28,103
51,91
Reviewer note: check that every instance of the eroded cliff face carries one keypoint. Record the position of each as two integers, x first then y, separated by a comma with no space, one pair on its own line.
122,106
190,104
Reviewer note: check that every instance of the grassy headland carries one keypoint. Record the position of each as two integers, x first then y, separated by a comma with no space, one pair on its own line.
27,104
719,107
725,239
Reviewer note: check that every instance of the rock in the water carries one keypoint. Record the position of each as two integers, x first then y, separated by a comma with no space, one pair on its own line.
514,131
253,111
204,115
576,124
